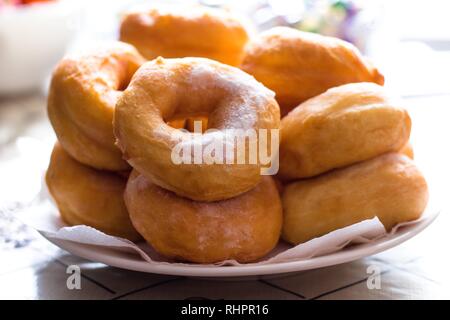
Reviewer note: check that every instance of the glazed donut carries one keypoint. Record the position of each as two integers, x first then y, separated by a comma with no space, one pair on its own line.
300,65
86,196
244,228
189,87
344,125
82,97
389,187
186,31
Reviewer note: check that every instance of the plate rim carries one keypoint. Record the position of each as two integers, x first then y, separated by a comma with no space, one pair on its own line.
96,254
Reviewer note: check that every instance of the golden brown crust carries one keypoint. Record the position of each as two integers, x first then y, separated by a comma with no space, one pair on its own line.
86,196
244,228
408,150
187,88
389,187
187,31
344,125
300,65
81,102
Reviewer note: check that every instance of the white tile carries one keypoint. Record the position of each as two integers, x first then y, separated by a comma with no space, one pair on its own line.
434,269
315,282
46,281
119,280
395,285
197,289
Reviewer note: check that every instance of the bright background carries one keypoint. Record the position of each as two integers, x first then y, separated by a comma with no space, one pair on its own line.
408,40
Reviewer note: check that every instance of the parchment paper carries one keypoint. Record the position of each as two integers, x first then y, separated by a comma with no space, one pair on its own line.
44,217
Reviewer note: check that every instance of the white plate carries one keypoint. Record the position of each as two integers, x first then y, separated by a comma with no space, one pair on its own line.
133,262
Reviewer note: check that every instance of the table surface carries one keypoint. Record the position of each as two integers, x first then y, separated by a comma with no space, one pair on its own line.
32,268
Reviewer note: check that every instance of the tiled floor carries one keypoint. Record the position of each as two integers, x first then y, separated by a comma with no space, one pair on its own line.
33,272
32,268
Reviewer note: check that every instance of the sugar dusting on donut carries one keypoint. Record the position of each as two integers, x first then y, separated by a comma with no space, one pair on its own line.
232,99
235,82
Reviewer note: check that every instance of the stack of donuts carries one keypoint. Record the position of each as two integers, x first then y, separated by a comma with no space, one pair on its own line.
119,111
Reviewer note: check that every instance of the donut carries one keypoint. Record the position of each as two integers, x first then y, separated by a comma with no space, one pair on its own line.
408,150
83,93
344,125
389,187
86,196
186,31
192,87
299,65
244,228
177,124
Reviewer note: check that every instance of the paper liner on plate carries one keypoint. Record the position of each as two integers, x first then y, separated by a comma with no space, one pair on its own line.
44,217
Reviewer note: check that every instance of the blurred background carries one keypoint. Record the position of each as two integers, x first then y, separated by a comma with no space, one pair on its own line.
408,40
401,36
